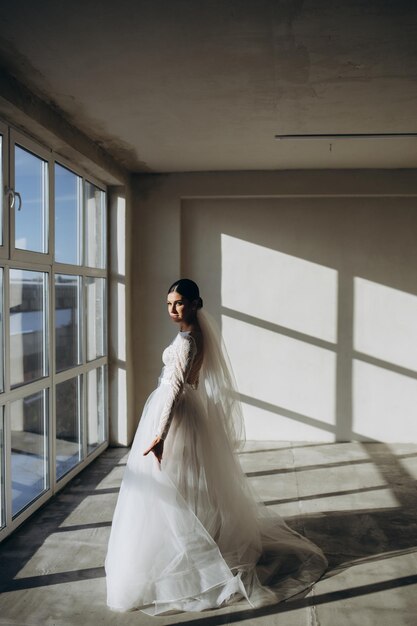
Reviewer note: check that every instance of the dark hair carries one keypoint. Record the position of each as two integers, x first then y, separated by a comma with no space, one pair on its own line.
187,288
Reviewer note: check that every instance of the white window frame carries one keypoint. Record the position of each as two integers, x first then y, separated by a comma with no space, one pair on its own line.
12,258
4,131
38,150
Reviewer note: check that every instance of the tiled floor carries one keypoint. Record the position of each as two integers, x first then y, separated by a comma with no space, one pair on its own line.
358,501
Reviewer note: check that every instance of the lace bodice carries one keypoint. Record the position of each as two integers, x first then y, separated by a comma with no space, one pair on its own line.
178,358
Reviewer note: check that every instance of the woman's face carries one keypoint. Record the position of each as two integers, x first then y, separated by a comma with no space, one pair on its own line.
179,308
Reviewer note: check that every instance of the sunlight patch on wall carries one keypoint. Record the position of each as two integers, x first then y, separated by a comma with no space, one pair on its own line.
117,320
279,288
288,374
261,423
384,404
385,323
119,250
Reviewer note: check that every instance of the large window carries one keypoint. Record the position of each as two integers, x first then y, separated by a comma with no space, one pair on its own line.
29,437
68,216
2,459
28,295
53,347
67,321
69,447
31,215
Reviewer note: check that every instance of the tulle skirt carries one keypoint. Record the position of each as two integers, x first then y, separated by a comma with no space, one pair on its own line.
189,535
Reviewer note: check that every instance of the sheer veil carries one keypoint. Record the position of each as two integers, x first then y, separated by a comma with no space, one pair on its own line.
217,376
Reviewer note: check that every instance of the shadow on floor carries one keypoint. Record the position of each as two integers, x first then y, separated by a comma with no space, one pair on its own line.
347,537
294,605
18,548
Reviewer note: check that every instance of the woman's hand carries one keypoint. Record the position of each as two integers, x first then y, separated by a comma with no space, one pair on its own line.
157,447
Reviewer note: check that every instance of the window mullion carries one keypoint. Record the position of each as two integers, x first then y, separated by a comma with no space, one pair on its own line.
5,184
84,363
7,466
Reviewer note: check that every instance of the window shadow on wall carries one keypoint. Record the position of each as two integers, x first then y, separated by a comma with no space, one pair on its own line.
317,299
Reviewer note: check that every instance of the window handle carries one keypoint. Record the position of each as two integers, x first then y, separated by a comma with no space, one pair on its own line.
10,194
19,197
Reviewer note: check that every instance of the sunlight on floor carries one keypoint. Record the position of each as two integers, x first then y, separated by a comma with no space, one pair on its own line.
354,500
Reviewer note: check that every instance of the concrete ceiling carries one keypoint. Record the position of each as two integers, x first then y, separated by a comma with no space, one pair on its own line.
199,85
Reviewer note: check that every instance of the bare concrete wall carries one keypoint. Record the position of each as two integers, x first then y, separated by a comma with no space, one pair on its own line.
312,276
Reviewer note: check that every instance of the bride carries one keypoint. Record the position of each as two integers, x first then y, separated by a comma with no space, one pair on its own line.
188,533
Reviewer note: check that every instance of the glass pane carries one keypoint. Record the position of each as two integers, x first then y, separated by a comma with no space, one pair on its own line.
2,508
96,407
1,332
67,321
68,224
28,326
29,434
95,226
68,430
95,317
31,217
2,184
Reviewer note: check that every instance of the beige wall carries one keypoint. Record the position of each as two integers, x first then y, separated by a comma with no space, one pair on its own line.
312,276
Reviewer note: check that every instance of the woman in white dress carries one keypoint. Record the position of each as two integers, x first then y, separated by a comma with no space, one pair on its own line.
188,533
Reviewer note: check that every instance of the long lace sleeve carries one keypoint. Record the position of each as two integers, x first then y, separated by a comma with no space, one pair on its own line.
184,353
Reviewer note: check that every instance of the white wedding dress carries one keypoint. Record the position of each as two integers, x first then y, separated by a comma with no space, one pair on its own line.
189,535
